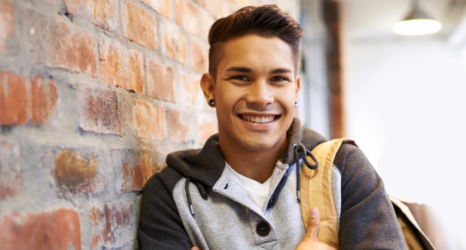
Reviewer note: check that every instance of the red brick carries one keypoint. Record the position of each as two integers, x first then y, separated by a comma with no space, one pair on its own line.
99,111
175,43
139,26
207,20
177,130
72,48
7,19
75,172
160,81
103,13
149,121
164,7
10,170
120,66
205,129
199,56
133,169
15,104
57,229
190,90
111,225
186,16
44,98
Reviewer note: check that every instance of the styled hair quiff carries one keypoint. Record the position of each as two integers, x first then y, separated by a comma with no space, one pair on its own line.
266,21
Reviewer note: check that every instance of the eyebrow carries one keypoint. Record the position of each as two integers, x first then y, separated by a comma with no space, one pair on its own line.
281,70
248,70
240,69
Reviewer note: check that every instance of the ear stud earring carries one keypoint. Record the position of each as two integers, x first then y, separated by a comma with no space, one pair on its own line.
296,103
212,102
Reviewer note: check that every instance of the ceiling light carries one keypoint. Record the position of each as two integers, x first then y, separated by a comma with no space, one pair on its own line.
417,23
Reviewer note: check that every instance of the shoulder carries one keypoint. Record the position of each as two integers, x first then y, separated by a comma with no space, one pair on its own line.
164,180
355,168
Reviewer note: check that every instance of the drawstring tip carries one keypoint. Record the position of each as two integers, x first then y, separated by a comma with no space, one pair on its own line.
192,210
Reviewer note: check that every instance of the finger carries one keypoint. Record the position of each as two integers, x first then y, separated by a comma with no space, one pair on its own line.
313,225
195,248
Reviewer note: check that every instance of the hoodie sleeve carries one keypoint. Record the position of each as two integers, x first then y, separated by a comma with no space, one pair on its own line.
160,225
368,220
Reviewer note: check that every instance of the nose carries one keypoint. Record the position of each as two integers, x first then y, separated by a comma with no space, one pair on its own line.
260,94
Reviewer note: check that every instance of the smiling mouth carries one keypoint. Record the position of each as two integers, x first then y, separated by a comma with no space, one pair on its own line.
259,119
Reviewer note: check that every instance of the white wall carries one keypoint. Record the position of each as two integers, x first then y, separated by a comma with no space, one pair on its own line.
405,105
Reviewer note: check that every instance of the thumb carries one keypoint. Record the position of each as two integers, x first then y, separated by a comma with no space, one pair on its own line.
195,248
313,225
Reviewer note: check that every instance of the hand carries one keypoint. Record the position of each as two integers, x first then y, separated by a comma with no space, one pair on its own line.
195,248
310,241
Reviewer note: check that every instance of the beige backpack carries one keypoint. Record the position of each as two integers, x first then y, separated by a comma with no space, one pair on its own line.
316,191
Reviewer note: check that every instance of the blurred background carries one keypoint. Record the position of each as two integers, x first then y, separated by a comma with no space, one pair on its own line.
400,97
95,93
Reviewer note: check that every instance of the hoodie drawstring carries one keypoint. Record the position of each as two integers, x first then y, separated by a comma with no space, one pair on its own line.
297,148
201,189
188,195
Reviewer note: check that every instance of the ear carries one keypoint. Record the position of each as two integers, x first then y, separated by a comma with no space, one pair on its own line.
208,86
298,86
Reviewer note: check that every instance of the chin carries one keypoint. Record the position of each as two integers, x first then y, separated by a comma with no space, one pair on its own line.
259,144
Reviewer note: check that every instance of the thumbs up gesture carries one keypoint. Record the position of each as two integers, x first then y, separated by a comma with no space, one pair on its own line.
310,241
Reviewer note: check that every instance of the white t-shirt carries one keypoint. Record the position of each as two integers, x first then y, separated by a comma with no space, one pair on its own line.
257,191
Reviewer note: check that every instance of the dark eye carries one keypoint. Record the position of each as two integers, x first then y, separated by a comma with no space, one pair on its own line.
278,79
240,78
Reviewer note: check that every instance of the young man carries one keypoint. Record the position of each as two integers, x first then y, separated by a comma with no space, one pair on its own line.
239,190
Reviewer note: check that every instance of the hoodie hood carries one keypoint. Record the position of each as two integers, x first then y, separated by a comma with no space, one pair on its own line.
206,165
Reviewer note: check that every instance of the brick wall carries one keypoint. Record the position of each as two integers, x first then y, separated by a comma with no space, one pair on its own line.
93,95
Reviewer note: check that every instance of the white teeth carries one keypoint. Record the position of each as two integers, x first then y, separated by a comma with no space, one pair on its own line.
258,119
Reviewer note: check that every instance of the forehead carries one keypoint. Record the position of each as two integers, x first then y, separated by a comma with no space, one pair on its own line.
257,52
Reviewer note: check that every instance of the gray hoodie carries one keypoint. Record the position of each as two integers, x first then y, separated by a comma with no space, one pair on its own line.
197,201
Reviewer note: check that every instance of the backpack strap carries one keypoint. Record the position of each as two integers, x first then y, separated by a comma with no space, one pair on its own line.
316,191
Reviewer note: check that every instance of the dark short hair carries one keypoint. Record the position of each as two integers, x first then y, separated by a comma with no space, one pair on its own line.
266,20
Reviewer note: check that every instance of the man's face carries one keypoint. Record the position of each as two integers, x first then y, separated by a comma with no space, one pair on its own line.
255,92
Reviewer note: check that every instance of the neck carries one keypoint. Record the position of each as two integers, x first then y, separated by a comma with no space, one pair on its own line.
256,165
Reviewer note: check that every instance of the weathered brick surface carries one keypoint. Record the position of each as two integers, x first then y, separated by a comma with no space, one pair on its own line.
205,128
149,120
186,16
103,13
75,172
6,24
190,91
14,99
139,26
160,80
44,99
10,170
175,43
177,128
17,103
207,21
99,111
120,66
70,47
112,225
57,229
199,56
220,8
164,7
132,168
